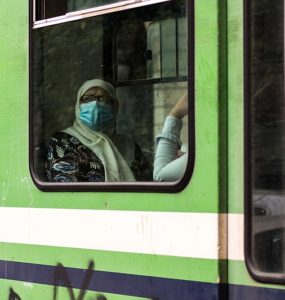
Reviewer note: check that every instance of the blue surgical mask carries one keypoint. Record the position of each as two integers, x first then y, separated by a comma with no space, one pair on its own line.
96,115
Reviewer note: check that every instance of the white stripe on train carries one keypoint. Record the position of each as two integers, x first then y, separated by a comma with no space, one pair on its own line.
162,233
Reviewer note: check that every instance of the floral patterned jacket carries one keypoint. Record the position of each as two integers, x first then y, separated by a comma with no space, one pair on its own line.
68,160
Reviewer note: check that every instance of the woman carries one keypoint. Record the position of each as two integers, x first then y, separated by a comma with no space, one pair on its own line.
85,151
170,163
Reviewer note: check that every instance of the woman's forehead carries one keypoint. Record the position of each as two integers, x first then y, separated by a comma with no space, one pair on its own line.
96,91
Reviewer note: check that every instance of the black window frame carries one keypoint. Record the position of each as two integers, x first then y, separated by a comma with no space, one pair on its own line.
261,276
150,186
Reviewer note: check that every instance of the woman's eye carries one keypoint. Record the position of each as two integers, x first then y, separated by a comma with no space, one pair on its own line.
87,98
90,98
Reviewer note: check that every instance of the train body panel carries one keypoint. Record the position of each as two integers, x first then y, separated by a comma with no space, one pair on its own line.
145,241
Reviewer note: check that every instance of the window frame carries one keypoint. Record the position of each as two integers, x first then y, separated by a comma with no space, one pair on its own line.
261,276
90,12
151,186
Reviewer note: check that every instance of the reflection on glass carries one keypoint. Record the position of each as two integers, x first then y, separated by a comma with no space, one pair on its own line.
97,109
54,8
74,5
268,143
152,46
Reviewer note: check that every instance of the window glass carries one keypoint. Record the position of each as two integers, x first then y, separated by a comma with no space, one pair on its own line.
102,89
152,49
267,127
53,8
74,5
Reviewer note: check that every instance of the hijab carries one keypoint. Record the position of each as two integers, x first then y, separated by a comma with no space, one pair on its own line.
116,168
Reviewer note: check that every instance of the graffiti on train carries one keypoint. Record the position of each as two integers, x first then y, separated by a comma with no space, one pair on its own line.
13,295
61,279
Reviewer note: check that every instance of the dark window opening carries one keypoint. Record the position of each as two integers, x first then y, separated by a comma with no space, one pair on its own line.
266,142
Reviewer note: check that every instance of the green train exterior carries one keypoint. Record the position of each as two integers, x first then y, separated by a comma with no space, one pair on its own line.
41,255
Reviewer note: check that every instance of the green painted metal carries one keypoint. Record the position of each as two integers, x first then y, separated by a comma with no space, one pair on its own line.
18,189
45,292
17,186
235,106
201,195
204,270
239,275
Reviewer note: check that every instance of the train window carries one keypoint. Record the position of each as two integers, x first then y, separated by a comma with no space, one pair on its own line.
102,87
265,140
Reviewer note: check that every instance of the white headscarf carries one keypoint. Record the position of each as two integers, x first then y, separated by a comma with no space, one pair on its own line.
116,168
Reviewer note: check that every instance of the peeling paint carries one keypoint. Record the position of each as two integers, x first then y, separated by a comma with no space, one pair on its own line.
26,180
4,192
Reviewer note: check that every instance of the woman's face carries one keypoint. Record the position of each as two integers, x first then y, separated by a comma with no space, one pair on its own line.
100,95
97,94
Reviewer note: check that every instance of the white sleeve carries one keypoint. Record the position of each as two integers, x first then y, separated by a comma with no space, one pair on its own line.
167,167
